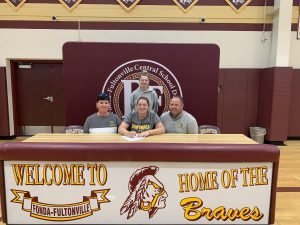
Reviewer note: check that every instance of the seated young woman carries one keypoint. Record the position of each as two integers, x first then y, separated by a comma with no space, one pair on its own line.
141,122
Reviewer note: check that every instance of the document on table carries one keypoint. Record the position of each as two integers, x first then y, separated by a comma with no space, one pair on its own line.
133,138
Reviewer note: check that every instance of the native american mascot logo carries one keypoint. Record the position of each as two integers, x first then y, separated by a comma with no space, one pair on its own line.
147,193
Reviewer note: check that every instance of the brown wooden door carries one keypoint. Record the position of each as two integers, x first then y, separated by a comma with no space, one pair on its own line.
39,97
237,100
57,90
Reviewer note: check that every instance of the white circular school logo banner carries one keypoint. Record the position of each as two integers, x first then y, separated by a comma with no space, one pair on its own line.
125,79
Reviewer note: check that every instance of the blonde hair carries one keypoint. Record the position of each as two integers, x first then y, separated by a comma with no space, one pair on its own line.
144,73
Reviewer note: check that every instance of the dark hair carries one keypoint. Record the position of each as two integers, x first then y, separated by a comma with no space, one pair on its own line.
180,98
102,96
143,98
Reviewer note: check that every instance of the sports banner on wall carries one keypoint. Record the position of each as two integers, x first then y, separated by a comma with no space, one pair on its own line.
185,5
16,4
70,4
128,4
137,192
238,5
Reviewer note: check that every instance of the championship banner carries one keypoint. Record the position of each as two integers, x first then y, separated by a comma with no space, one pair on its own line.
238,5
185,5
16,4
70,4
128,4
60,212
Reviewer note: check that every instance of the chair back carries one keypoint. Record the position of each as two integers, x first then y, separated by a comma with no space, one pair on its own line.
209,129
74,129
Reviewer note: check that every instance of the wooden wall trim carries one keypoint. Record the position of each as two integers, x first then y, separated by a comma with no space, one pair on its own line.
4,117
160,2
141,13
134,26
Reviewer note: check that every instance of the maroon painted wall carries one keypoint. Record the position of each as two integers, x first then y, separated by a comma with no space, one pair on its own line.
274,102
294,117
252,98
237,100
88,65
4,119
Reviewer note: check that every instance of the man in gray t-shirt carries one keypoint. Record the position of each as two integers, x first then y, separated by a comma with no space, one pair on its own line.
177,120
103,118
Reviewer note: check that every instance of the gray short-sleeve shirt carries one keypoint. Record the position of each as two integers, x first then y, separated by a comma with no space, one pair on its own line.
95,121
184,123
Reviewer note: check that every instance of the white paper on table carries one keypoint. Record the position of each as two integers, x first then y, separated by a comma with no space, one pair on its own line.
103,130
133,138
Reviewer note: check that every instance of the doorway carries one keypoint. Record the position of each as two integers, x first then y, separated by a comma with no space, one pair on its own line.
39,97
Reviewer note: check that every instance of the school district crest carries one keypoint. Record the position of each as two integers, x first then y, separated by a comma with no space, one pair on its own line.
125,79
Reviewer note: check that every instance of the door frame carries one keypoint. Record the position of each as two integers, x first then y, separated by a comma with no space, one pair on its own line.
13,76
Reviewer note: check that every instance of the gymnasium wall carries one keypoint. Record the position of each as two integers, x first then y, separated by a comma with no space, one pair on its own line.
244,38
30,32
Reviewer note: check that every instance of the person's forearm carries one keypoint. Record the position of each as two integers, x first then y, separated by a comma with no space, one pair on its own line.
123,131
86,129
156,131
